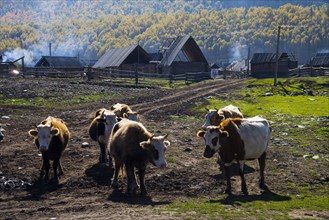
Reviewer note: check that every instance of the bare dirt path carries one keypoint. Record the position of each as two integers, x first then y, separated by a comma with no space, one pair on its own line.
185,95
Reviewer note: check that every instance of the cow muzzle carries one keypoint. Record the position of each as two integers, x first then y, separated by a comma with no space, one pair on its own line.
43,148
208,152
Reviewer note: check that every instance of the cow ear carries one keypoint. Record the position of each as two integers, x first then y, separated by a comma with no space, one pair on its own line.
200,133
223,133
54,131
33,132
166,143
100,120
143,144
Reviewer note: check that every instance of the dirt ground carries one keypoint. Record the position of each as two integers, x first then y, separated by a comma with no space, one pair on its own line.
84,190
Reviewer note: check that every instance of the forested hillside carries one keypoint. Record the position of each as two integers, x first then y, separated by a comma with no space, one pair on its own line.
89,28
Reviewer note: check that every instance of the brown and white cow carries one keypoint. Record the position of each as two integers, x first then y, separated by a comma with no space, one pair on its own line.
51,138
124,111
133,146
241,140
215,116
100,130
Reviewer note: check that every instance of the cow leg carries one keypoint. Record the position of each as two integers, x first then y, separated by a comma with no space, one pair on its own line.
46,166
55,167
130,177
261,162
228,180
102,156
42,169
141,174
117,167
60,168
243,180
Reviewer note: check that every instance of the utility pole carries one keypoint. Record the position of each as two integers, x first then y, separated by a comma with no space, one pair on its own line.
277,57
136,73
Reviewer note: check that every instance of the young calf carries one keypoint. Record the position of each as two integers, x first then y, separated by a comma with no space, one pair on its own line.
100,130
133,146
241,140
51,138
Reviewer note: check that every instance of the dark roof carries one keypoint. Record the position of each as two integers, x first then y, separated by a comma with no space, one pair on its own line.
269,57
59,62
116,57
320,59
189,47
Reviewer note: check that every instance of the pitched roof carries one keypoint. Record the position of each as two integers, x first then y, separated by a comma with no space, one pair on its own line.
320,59
189,47
269,57
115,57
59,62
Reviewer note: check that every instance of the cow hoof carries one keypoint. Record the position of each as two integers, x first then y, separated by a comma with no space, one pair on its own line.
130,194
263,186
115,185
245,192
228,191
143,193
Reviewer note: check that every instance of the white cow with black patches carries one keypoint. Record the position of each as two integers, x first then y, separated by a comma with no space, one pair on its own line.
240,140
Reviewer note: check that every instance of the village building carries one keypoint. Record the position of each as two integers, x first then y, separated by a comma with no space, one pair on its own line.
60,62
181,55
320,60
263,65
126,58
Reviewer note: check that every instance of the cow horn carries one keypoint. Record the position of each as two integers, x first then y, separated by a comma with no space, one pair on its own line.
166,135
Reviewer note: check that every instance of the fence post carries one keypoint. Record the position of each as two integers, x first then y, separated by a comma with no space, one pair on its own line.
136,76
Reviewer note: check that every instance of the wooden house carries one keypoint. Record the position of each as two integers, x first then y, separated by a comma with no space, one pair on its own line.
126,58
263,65
60,62
320,60
181,55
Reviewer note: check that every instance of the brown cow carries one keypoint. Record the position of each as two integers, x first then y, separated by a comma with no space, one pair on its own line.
124,111
100,130
133,146
215,117
51,138
241,140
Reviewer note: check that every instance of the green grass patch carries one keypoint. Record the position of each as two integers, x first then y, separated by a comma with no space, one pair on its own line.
292,97
61,102
253,206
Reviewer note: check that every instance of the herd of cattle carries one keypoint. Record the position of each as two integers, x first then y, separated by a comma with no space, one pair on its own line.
127,144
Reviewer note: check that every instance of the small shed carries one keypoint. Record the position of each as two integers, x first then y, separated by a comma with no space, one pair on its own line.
126,58
181,55
320,60
60,62
263,65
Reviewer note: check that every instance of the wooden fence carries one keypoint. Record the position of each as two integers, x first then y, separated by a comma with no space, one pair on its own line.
113,74
309,71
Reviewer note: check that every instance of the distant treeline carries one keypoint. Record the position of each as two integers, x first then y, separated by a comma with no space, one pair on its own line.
89,28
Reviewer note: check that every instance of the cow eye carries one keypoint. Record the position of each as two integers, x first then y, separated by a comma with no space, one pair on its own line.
214,141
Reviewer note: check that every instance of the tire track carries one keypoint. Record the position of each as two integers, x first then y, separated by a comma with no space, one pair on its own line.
185,95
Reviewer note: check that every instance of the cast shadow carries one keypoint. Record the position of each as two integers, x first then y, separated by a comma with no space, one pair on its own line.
266,195
100,173
118,196
38,188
